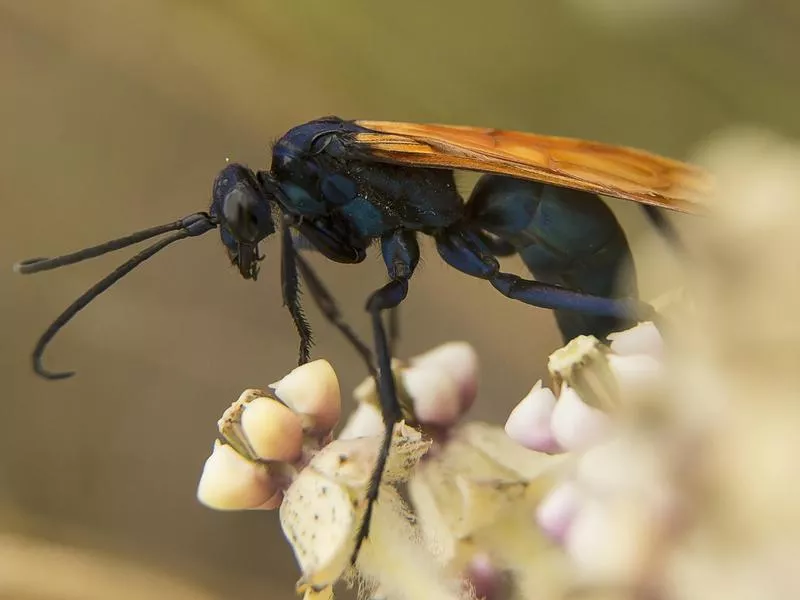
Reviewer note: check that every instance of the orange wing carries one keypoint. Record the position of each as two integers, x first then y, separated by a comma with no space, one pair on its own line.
615,171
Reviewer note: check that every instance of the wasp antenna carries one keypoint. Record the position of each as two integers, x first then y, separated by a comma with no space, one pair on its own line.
191,226
35,265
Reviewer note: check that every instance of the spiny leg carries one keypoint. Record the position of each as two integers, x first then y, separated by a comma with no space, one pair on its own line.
331,312
290,286
401,255
496,246
464,250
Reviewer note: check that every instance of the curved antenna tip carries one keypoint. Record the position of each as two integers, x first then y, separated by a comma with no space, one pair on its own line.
39,369
41,372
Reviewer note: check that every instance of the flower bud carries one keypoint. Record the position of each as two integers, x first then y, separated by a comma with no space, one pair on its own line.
312,391
231,482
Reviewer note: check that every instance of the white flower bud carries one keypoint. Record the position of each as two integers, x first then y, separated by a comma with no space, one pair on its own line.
529,422
459,361
610,543
231,482
644,338
556,512
312,391
365,421
273,431
635,373
435,395
575,425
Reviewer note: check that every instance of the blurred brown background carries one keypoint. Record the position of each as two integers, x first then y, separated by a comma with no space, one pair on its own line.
116,115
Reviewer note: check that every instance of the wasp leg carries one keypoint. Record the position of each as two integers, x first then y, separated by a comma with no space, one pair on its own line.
394,329
463,250
290,287
665,227
331,312
401,255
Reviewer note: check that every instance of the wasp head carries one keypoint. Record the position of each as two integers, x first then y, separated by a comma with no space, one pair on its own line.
244,212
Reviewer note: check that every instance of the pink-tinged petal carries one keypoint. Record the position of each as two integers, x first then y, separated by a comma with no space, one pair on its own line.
484,577
576,425
529,422
459,360
612,542
231,482
272,503
366,421
435,394
557,511
273,430
642,339
312,391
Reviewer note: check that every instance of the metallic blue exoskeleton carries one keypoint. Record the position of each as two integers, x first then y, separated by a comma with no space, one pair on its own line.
565,237
341,201
337,197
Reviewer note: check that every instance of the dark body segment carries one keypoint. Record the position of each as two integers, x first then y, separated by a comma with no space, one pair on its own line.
312,163
348,199
565,237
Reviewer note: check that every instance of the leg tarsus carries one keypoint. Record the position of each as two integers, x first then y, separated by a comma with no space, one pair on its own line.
372,490
401,255
331,312
394,329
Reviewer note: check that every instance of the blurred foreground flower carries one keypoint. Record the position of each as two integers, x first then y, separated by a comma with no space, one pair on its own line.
593,381
686,482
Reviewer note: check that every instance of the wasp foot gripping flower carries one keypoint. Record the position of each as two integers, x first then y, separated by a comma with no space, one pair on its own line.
475,491
435,389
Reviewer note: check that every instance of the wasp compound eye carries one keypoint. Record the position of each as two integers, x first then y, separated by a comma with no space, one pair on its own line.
241,206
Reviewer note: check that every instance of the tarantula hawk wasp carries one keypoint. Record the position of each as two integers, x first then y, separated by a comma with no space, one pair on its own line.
338,186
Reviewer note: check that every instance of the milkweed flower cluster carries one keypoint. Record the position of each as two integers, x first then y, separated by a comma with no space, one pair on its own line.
593,380
276,450
473,490
685,484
